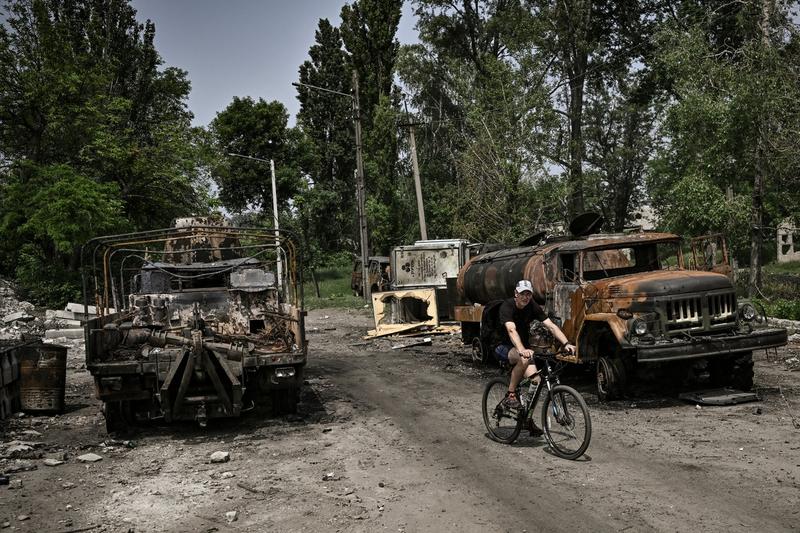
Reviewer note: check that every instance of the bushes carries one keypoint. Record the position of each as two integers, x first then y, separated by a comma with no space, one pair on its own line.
782,308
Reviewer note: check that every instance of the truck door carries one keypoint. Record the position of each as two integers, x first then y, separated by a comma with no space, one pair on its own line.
566,283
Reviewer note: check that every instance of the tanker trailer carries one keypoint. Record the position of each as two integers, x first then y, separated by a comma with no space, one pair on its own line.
628,304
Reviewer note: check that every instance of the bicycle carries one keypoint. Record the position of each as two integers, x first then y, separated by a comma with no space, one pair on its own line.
566,423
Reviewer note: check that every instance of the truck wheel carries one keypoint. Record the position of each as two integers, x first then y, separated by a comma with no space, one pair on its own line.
742,372
477,351
469,331
116,421
610,378
284,402
735,372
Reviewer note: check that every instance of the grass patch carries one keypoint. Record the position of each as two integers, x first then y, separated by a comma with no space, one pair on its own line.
792,267
334,289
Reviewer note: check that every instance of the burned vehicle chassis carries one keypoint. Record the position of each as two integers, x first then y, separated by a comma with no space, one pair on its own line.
199,321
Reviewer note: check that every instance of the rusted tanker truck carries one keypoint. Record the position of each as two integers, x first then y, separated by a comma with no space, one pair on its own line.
629,304
202,320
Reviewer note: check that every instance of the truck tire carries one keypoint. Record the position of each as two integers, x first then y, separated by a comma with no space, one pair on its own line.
284,402
735,372
611,378
116,416
469,331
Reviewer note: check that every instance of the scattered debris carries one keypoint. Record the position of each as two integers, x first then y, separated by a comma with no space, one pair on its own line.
89,458
220,457
792,363
232,516
424,342
52,462
249,488
724,396
330,476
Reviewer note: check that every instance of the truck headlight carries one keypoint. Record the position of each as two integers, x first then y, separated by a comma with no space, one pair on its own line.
639,327
284,372
747,312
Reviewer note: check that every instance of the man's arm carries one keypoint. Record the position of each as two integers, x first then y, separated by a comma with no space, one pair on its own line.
516,340
559,335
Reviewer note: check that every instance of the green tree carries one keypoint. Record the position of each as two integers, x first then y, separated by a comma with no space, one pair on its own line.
481,88
257,129
83,95
736,105
329,212
368,31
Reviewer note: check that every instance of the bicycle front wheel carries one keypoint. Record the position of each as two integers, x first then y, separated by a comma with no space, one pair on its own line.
566,423
503,424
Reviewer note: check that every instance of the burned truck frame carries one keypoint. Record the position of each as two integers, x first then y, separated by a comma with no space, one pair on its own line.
629,304
198,321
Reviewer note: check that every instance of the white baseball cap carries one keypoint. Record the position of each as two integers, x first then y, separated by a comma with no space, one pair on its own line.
524,285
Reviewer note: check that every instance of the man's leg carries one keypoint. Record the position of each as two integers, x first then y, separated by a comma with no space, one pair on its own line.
519,369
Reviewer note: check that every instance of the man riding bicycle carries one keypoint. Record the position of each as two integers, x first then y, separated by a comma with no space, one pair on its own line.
515,317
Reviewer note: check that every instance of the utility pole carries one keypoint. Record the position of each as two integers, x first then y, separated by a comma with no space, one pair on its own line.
423,230
274,211
361,191
361,194
275,219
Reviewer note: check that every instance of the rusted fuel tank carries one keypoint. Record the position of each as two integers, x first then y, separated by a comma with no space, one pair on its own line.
492,276
43,376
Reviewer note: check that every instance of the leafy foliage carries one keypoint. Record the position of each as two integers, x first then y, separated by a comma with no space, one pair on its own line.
257,129
94,137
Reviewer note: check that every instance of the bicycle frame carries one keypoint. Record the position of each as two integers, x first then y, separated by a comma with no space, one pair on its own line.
547,378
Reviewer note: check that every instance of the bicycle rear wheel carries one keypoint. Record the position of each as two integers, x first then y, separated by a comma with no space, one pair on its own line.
503,424
566,423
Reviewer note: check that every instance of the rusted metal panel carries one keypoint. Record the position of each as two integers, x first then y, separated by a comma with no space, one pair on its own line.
469,313
402,310
427,263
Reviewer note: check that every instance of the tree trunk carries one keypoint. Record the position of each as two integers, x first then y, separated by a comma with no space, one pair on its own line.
755,236
315,282
576,144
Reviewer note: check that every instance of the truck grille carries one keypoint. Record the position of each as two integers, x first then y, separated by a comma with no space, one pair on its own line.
689,313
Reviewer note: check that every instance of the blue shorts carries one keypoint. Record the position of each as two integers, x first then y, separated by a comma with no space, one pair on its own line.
501,352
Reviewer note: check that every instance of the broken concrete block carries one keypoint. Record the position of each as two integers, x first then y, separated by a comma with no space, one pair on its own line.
63,315
232,516
52,462
78,309
220,457
89,458
74,333
19,315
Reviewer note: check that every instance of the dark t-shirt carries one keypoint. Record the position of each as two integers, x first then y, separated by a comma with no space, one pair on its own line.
522,318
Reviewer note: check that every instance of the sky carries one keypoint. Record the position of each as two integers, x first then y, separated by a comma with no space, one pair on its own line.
242,47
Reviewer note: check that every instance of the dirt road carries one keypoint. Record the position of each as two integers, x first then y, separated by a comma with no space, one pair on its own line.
393,440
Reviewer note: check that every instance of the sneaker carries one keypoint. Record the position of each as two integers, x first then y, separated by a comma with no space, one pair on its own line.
535,430
511,401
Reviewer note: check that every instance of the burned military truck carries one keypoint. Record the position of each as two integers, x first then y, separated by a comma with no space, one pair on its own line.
202,320
628,303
